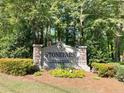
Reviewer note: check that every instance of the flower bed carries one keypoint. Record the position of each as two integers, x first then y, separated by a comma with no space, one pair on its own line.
68,73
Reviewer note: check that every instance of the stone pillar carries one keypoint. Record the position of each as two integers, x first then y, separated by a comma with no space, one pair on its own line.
37,55
83,58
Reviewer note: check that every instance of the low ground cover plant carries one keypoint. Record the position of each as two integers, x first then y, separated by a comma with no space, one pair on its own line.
104,69
39,73
16,66
68,73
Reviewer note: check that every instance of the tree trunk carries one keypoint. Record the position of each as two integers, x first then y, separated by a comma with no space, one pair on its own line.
117,49
59,35
112,54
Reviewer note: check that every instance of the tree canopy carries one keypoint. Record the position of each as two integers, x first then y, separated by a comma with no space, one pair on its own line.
97,24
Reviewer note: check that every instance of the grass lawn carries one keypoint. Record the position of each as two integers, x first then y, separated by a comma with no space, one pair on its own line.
8,85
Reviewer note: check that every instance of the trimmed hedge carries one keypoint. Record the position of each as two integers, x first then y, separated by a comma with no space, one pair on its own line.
68,73
105,70
120,74
15,66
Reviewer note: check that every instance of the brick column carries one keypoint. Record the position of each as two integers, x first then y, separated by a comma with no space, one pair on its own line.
83,58
37,55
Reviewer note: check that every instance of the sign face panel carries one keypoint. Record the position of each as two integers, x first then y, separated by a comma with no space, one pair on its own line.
61,54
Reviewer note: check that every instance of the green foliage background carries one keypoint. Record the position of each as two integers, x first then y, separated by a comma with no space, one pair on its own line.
75,22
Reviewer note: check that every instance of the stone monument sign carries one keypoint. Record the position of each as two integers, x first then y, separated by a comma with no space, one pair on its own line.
61,54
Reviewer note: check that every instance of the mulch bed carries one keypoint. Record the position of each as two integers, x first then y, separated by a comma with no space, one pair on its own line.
104,85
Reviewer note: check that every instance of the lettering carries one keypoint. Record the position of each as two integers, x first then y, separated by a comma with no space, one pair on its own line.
59,54
59,61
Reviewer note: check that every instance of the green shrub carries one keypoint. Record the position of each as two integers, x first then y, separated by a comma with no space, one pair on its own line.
98,60
121,63
15,66
96,78
105,70
61,66
38,73
120,74
68,73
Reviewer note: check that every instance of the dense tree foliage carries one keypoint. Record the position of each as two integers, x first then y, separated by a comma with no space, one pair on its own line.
97,24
